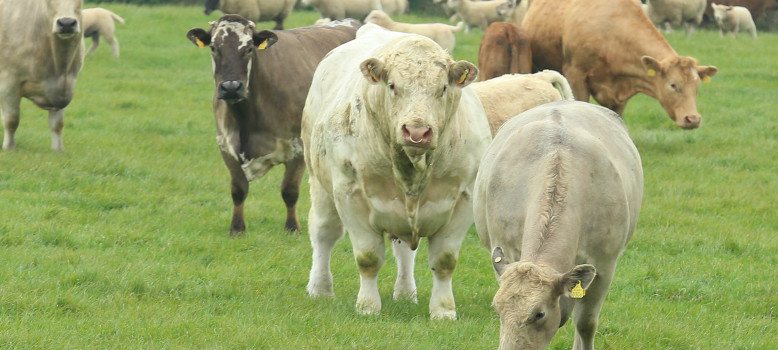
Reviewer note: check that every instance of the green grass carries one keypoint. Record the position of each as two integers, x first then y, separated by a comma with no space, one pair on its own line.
121,241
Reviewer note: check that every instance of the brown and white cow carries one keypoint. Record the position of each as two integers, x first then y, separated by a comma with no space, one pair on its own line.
505,49
261,79
41,53
609,49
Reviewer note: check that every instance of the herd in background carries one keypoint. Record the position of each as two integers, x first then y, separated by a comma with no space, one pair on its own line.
402,140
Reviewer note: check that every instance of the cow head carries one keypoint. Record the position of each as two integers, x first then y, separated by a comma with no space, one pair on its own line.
234,42
66,18
675,81
414,89
210,6
528,300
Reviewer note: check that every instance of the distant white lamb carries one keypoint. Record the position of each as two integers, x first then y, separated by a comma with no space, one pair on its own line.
481,13
674,12
506,96
443,34
733,19
99,22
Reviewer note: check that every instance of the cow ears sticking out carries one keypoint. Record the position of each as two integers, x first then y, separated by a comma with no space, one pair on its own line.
574,283
373,70
651,65
199,37
706,72
461,73
264,39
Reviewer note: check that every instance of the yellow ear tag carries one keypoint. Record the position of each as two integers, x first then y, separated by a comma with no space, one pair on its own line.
706,79
651,73
463,77
262,45
578,292
199,43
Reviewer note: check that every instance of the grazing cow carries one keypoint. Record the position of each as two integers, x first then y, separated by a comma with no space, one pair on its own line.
505,49
733,19
100,22
610,50
41,53
506,96
674,12
255,10
261,80
393,138
557,196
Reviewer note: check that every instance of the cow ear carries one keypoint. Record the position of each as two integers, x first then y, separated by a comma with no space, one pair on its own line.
706,72
373,70
651,65
462,73
499,261
264,39
574,283
199,37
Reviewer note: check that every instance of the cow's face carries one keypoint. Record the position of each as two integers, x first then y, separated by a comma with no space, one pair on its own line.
210,6
675,83
66,17
233,42
415,88
528,300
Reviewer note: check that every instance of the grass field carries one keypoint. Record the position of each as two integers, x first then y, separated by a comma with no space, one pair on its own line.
121,241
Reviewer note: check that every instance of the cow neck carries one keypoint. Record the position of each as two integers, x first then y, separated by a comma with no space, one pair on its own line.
65,52
550,234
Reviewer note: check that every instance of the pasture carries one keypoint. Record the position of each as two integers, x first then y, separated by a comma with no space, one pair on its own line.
122,240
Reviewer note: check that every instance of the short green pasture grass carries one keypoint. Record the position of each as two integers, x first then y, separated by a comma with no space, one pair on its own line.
121,241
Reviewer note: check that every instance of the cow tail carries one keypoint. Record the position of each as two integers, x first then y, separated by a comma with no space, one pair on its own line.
117,18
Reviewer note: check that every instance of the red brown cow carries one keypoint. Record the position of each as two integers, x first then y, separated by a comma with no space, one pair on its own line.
505,49
609,49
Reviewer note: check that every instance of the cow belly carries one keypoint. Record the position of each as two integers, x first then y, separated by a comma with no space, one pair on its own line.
391,216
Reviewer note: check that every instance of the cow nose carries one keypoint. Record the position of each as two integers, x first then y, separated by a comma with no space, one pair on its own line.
67,24
230,89
419,136
691,121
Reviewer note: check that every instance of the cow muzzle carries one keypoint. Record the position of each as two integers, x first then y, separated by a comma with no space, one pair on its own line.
417,136
66,27
691,121
231,91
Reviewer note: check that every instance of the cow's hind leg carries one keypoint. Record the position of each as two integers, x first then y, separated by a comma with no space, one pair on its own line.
290,191
405,285
114,45
325,229
587,310
279,22
9,109
95,42
56,124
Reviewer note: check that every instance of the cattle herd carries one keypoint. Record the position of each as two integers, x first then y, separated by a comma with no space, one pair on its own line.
401,140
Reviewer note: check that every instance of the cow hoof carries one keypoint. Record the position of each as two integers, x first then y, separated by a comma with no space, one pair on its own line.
443,315
237,232
368,307
292,226
406,295
320,290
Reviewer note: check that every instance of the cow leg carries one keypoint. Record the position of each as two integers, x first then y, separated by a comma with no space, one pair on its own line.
369,252
577,80
290,191
279,23
325,229
9,109
721,33
95,43
239,188
587,310
443,256
405,285
114,46
56,123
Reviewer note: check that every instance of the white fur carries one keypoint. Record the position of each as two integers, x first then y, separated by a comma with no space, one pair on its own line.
101,22
443,34
479,13
676,12
732,19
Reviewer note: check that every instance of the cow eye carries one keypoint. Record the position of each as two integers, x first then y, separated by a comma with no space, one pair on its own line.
445,88
536,316
674,87
391,86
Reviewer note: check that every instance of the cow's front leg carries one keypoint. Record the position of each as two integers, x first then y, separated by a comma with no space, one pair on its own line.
405,285
56,124
369,254
9,109
290,191
443,256
239,188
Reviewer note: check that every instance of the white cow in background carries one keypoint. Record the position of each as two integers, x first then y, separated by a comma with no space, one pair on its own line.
676,12
393,138
41,53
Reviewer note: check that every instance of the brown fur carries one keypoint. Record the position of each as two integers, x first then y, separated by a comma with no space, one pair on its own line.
505,49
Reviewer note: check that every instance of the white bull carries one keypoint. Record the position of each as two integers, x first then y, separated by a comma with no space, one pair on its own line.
393,138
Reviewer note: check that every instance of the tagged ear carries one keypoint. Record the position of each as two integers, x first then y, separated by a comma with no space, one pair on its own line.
651,65
574,283
373,70
462,73
499,261
706,72
199,37
264,39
